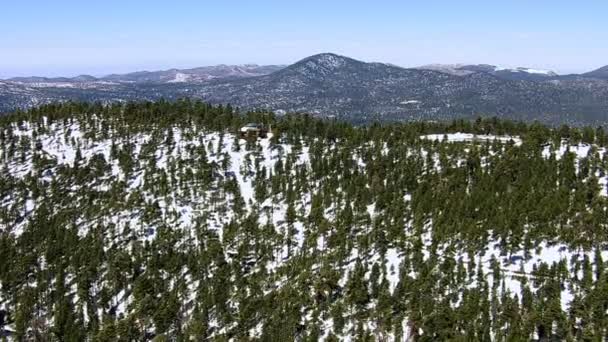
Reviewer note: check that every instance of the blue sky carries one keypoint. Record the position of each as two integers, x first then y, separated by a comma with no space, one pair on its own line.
68,37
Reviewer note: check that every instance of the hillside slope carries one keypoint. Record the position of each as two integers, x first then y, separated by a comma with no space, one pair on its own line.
135,222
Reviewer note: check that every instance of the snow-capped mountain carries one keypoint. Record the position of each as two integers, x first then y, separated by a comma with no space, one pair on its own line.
520,73
530,71
524,74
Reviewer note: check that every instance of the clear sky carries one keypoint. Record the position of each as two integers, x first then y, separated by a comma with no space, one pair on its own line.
70,37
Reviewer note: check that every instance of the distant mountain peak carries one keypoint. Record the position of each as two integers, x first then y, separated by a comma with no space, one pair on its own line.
323,64
327,60
84,78
325,56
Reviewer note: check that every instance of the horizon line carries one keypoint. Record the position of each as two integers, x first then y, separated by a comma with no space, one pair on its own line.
98,75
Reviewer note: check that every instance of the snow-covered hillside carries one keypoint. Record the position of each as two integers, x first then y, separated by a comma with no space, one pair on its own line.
181,229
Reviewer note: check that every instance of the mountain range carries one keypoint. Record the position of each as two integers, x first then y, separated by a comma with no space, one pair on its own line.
164,76
337,86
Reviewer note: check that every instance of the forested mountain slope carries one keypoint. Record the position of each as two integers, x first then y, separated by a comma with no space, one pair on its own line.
156,221
360,92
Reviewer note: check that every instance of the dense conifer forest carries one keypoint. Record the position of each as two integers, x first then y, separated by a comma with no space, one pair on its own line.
157,221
